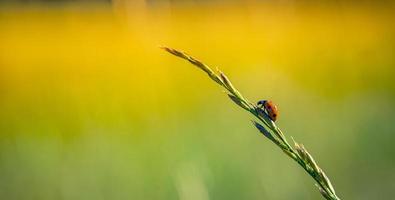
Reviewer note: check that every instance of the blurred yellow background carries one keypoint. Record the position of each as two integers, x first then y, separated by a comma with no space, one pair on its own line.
91,108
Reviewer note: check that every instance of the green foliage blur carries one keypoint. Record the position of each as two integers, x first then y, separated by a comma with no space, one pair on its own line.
91,108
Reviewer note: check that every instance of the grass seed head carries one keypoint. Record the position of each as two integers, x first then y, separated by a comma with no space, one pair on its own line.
269,128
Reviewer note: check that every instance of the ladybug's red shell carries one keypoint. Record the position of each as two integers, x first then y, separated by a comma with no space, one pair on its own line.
271,110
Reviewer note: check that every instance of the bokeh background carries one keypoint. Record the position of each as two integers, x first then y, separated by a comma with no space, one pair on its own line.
91,108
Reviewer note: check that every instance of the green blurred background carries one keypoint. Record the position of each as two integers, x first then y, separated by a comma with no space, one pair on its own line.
91,108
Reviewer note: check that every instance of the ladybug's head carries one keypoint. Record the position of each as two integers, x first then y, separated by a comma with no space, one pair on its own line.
261,102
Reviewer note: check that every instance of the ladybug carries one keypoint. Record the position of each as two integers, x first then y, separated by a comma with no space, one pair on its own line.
270,108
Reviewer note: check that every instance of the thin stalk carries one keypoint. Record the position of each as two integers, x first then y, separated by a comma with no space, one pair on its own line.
267,127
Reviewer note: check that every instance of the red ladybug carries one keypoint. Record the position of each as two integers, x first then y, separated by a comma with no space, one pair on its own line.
270,108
